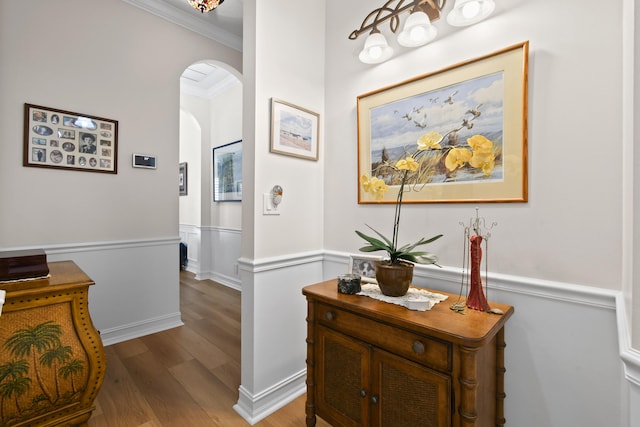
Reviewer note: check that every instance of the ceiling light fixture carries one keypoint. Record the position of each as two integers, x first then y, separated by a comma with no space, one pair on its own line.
418,29
205,5
468,12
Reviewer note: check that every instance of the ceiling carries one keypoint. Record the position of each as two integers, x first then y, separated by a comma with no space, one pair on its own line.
224,25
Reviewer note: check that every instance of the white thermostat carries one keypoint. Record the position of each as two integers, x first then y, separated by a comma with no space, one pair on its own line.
144,161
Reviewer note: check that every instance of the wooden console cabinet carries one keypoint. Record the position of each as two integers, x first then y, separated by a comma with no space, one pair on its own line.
370,363
52,361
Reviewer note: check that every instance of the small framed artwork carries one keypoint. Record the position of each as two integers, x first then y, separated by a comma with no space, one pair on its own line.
463,129
60,139
364,266
182,179
227,172
294,130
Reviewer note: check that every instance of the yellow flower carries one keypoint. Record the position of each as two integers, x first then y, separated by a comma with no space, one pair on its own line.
486,161
365,181
480,144
456,158
409,164
430,140
375,186
378,188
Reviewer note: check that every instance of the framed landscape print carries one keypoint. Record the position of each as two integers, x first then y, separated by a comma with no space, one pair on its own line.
294,130
227,172
463,129
61,139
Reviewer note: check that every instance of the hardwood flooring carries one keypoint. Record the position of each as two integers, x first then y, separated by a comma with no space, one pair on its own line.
186,376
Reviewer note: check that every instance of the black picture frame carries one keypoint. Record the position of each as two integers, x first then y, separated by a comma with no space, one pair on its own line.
60,139
227,172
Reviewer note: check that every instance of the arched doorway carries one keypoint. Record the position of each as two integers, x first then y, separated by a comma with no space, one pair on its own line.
210,116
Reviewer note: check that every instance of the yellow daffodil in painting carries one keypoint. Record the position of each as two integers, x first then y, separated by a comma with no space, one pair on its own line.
408,164
430,141
457,158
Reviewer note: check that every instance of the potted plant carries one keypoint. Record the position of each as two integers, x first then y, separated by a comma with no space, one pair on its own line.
410,173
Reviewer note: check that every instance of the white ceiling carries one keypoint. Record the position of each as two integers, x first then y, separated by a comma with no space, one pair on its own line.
223,24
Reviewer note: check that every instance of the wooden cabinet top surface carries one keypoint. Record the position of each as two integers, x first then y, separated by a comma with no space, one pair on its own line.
61,274
473,328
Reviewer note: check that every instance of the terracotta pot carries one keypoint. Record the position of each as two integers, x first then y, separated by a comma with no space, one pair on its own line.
394,280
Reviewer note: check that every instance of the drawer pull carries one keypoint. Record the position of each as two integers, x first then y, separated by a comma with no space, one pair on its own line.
329,315
363,393
374,399
418,347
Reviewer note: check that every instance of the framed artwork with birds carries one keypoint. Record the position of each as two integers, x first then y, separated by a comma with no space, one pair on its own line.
455,135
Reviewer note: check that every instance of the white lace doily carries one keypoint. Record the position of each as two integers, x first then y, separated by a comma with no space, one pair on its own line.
414,299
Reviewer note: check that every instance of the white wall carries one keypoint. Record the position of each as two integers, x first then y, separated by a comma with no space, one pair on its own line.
226,127
190,141
283,58
111,60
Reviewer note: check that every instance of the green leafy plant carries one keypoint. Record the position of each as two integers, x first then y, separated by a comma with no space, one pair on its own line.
407,252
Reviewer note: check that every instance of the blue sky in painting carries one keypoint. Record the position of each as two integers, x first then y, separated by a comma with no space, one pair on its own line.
398,123
296,124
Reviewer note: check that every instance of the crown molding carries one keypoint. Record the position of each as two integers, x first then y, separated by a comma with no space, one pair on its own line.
188,21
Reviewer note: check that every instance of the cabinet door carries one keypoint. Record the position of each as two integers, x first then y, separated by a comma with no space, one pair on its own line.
407,394
342,367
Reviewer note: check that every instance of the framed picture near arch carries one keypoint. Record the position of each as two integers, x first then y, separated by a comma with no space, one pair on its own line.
294,130
60,139
227,172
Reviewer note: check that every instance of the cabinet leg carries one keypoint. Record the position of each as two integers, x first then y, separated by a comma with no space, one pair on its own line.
310,406
500,370
468,386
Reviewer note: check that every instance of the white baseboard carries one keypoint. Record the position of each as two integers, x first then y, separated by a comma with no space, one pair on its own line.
140,329
228,281
254,408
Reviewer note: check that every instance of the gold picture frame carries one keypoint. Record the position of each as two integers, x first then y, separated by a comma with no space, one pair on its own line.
295,131
466,125
60,139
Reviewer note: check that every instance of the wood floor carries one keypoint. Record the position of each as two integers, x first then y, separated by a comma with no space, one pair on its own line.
187,376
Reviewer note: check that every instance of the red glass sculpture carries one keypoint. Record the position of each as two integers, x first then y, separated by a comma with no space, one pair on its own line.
476,299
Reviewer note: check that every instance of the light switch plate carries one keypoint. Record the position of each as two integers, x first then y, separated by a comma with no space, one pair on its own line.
268,206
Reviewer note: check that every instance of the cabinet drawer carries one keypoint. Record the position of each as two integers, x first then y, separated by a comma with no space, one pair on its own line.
423,349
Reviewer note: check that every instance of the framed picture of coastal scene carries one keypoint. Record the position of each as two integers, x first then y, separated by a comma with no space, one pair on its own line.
294,130
461,132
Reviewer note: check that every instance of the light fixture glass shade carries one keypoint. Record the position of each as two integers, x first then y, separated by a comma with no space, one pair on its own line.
376,49
205,5
468,12
417,30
